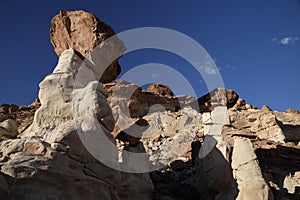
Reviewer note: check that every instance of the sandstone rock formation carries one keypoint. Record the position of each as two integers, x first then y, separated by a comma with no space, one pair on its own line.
247,172
206,102
160,90
87,35
22,115
129,103
51,147
80,138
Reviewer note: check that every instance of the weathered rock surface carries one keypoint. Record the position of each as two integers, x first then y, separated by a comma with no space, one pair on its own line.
23,115
171,139
8,128
36,171
55,96
262,124
53,146
160,90
75,143
182,127
247,172
51,149
86,34
129,103
216,97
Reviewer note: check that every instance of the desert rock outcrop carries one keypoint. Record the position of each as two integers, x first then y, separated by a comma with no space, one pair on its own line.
77,140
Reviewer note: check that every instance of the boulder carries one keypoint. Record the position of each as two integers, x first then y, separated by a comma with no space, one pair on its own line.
266,108
217,97
87,35
160,89
11,126
232,98
129,103
262,124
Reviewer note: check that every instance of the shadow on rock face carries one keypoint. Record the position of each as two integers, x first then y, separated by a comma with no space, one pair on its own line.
207,178
4,189
280,167
214,178
172,182
218,95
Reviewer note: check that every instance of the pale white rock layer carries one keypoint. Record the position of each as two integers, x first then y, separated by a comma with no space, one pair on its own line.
214,122
73,110
247,172
56,96
292,181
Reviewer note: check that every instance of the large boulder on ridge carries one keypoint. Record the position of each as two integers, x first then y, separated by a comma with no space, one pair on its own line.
160,89
86,34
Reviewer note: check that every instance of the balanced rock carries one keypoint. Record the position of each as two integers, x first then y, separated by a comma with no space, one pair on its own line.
86,34
73,105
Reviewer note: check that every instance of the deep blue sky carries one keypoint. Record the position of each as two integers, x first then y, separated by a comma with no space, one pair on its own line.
256,44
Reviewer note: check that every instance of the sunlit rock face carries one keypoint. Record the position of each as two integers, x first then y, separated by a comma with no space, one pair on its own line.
51,148
88,36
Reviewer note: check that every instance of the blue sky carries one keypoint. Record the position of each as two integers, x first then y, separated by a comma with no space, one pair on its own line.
255,44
